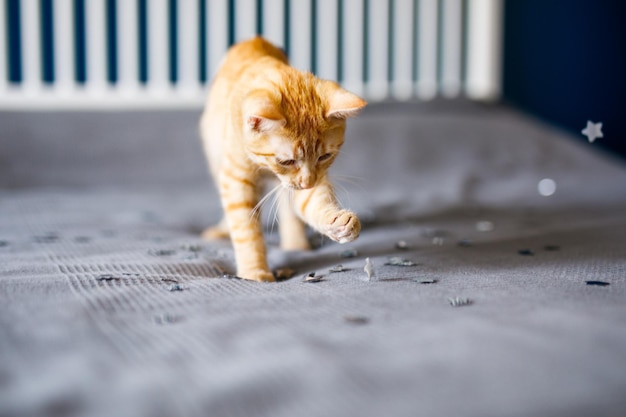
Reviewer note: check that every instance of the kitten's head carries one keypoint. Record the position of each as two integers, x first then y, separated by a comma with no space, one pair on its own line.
296,128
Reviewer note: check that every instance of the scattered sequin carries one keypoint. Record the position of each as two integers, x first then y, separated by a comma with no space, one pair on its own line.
526,252
425,280
598,283
459,302
356,319
175,287
397,261
312,278
592,131
107,278
191,248
49,238
369,269
337,268
485,226
546,187
349,253
401,244
161,252
167,319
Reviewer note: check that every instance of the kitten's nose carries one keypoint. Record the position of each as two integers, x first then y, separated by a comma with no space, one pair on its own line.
307,182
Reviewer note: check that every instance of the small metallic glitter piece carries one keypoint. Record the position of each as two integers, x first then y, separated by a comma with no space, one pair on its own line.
459,302
167,318
230,276
437,240
175,287
349,253
546,187
398,261
369,269
401,244
311,278
161,252
191,248
526,252
598,283
425,280
167,280
284,273
353,319
107,277
485,226
337,268
551,248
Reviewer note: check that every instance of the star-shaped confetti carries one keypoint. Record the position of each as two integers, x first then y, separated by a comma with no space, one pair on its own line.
592,131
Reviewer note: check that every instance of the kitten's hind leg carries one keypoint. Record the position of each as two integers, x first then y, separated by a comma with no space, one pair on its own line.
219,231
292,230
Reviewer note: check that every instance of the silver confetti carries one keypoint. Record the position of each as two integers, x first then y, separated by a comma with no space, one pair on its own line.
311,278
459,302
349,253
485,226
369,269
401,244
398,261
337,268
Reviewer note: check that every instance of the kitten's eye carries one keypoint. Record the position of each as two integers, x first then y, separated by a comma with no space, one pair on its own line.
287,162
324,157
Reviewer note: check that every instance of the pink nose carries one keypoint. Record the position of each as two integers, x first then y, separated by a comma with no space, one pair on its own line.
306,183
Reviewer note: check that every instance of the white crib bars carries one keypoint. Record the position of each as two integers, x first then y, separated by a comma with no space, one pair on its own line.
381,49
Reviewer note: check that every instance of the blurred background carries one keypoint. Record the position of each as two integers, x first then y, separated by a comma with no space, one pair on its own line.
560,60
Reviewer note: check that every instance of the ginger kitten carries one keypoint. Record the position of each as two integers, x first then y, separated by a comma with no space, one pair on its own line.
263,116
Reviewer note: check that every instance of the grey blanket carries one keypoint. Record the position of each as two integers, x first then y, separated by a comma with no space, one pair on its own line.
509,303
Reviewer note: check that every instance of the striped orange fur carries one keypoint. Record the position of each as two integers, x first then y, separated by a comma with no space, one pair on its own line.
263,116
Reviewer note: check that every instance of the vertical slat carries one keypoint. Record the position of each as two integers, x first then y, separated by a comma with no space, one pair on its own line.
377,85
31,45
402,81
95,12
63,46
427,49
452,44
300,29
217,32
327,39
3,47
188,44
158,45
484,49
128,47
353,45
245,19
274,21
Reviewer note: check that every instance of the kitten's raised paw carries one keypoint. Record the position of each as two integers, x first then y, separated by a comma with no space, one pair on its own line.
343,226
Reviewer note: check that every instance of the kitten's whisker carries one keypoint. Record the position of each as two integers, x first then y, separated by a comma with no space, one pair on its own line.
274,208
262,201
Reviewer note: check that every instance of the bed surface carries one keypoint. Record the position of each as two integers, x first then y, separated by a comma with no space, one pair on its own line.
111,305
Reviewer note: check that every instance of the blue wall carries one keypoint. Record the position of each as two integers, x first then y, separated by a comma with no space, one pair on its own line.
565,61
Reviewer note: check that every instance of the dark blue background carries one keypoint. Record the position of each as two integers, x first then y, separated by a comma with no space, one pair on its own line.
565,61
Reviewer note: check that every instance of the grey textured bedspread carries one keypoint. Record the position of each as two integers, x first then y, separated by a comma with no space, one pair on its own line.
110,304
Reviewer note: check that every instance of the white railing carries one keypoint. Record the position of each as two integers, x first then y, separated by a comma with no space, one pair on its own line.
381,49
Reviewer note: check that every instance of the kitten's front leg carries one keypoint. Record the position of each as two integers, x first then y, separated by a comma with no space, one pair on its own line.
238,200
318,207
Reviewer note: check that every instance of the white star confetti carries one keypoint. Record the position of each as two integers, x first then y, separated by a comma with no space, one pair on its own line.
369,269
592,131
546,187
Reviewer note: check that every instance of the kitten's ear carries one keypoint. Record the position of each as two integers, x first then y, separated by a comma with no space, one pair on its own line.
261,111
341,103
